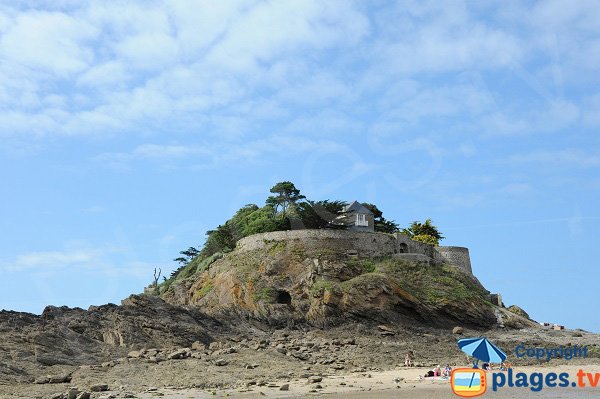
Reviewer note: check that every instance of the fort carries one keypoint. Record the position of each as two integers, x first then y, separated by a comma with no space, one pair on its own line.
361,244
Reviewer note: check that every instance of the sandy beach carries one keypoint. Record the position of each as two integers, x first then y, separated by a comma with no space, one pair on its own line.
384,385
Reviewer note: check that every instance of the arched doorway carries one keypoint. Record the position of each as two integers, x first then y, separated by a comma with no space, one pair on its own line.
403,248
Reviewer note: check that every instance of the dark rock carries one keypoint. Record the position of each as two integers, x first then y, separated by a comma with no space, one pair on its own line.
72,393
99,388
180,354
59,379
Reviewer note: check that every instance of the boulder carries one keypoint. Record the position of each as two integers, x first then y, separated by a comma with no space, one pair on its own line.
198,346
59,379
134,354
180,354
99,388
457,330
72,393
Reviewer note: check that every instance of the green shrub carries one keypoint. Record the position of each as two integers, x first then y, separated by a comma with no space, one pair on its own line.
427,239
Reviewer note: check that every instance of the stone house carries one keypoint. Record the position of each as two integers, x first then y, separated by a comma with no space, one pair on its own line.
356,217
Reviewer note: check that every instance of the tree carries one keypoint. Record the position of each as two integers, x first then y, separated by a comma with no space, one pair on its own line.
319,214
381,224
424,232
248,220
263,220
287,195
188,255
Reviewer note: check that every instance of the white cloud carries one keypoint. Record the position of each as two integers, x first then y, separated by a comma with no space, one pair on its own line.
271,29
107,74
539,118
467,149
217,153
591,110
95,209
55,259
77,257
150,152
148,51
451,39
167,151
570,157
48,41
227,69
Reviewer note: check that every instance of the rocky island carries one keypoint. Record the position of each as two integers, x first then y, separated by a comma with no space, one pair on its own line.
278,312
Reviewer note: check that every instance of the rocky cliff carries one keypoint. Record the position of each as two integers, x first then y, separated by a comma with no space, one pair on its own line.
286,283
72,337
263,309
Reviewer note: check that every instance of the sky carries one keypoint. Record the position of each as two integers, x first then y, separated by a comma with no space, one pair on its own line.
129,129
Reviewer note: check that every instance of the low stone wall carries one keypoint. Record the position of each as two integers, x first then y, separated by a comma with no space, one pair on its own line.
360,244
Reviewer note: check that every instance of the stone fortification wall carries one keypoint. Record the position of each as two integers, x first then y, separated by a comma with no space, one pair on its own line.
458,256
366,244
361,244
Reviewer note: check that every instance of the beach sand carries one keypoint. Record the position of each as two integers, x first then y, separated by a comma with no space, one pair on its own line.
382,385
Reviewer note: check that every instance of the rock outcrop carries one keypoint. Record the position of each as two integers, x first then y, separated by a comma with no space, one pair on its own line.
282,284
518,311
65,336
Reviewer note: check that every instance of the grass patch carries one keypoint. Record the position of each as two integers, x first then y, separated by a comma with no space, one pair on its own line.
266,294
197,265
430,283
202,292
366,265
277,247
204,264
298,251
325,253
321,286
248,263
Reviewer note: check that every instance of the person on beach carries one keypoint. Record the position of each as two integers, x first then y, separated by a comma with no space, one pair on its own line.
437,371
447,370
408,360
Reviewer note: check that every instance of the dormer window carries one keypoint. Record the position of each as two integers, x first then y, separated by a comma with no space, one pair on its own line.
361,220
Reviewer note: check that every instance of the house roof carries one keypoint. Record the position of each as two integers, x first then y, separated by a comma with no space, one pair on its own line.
357,207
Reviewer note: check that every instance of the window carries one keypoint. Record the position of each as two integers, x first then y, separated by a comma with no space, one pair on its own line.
361,220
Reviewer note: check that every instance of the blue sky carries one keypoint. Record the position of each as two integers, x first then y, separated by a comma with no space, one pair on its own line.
128,129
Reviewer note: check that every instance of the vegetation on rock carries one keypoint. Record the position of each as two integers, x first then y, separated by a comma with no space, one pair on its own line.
286,209
424,232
